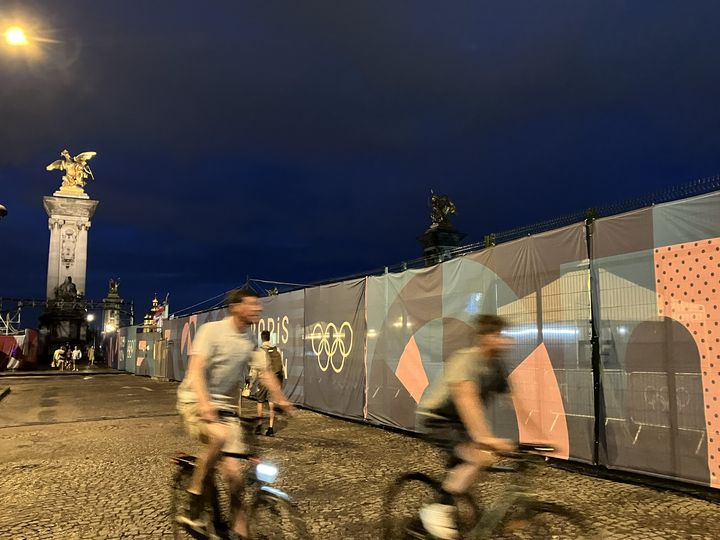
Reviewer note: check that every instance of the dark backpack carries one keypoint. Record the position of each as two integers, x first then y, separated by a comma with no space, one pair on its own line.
274,359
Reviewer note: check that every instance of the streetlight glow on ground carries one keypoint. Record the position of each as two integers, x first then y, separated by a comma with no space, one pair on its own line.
16,37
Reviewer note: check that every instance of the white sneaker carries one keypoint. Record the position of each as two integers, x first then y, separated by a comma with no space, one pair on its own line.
439,520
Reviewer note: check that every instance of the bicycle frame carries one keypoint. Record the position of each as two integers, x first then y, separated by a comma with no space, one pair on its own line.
494,515
516,494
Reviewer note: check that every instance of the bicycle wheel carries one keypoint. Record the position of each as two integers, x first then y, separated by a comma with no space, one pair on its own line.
407,495
554,521
273,516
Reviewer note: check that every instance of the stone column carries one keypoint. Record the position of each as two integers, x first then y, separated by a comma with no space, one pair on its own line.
53,259
69,221
81,255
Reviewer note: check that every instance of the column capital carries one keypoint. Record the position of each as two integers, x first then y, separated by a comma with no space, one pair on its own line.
55,223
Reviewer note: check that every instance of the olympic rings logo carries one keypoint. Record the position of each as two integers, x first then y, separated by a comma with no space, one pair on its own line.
328,341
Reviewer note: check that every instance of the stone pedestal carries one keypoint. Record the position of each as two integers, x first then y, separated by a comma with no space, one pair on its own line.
64,322
68,220
437,242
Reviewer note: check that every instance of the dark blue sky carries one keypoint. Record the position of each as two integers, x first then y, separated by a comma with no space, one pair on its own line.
299,140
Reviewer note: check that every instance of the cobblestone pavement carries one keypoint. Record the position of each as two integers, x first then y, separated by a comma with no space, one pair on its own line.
88,457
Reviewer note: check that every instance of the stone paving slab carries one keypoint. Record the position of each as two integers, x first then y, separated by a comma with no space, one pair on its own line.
80,474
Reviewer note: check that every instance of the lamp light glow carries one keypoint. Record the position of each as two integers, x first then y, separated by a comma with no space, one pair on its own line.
16,36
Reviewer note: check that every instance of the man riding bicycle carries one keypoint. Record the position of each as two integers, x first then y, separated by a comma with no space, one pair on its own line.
453,417
222,353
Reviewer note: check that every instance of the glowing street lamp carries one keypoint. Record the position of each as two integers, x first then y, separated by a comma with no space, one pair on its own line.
90,317
3,211
16,36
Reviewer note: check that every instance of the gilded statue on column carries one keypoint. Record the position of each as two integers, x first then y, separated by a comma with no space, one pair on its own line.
76,171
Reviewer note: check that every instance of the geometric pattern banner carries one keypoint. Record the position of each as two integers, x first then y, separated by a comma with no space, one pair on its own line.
179,335
656,305
404,343
687,293
541,286
417,319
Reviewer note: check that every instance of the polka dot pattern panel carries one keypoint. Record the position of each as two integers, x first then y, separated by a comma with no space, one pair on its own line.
688,291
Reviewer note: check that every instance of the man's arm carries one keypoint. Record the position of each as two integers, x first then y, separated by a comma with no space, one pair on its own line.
196,372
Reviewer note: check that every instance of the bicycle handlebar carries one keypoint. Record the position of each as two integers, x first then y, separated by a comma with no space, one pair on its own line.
519,453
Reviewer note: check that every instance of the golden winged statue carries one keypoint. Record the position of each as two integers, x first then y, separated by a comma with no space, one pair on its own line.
76,171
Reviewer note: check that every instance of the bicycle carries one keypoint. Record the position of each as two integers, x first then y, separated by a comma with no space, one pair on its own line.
270,512
521,511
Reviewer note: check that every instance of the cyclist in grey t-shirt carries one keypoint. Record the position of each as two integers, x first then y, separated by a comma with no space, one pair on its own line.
453,416
220,359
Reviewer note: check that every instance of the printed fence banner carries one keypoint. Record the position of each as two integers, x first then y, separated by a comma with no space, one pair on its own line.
284,317
540,286
178,335
150,354
335,328
404,342
656,274
122,334
371,348
131,348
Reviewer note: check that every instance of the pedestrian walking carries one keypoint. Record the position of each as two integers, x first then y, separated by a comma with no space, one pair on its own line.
76,357
273,361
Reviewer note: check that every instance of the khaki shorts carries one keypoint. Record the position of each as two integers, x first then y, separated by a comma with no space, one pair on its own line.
263,393
198,428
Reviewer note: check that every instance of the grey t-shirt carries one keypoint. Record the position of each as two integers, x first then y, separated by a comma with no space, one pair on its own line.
229,356
488,374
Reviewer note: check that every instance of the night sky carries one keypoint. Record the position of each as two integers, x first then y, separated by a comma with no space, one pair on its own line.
298,141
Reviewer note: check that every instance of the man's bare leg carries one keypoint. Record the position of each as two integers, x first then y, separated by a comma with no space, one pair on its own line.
271,406
232,470
460,478
207,458
259,414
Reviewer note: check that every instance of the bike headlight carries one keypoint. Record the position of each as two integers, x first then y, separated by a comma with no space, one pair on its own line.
266,472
